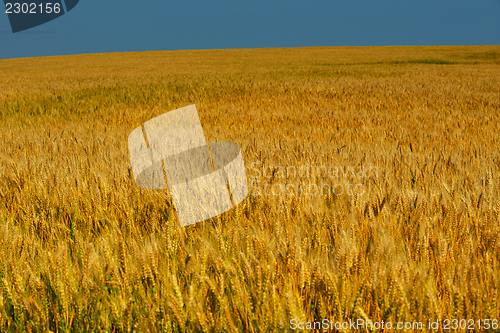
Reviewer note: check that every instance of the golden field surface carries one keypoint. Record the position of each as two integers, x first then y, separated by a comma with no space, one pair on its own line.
83,249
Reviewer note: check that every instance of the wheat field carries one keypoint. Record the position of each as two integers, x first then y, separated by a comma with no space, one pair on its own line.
83,249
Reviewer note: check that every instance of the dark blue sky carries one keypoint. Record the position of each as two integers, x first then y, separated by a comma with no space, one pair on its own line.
122,25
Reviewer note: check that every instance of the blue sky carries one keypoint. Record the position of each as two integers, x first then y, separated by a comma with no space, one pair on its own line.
122,25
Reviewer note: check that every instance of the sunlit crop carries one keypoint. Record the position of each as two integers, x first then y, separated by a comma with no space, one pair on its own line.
83,249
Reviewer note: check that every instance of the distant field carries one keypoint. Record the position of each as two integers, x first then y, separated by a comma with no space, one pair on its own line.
83,249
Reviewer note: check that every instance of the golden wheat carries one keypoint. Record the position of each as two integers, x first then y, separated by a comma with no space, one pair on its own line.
85,250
